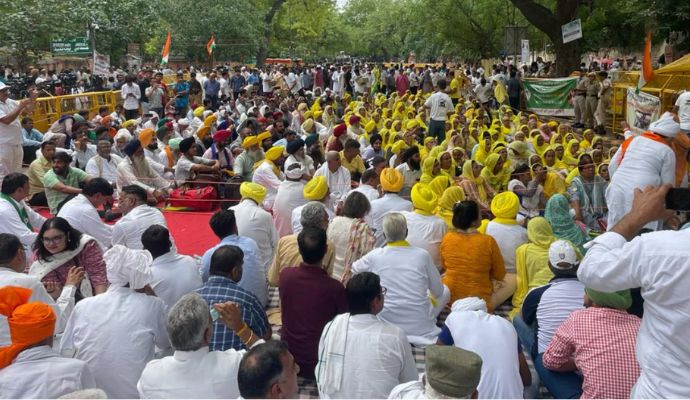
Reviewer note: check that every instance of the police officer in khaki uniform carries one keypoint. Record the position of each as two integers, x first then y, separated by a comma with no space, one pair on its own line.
592,99
604,99
579,100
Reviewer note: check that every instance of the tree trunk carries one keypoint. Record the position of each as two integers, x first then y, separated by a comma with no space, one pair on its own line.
568,57
262,53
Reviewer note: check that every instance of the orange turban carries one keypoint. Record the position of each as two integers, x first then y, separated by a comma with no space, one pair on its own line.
29,323
145,136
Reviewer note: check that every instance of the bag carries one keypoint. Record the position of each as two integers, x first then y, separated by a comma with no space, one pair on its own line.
194,199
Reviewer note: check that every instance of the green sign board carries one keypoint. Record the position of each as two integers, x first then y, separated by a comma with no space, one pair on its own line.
71,46
550,96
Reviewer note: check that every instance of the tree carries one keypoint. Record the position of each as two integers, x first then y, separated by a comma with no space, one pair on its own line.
262,52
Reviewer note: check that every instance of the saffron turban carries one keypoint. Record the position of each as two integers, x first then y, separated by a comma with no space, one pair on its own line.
316,188
202,132
250,141
254,191
423,198
146,136
391,180
210,120
274,152
128,266
505,206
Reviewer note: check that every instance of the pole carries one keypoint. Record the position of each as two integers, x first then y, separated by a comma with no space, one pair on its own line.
92,36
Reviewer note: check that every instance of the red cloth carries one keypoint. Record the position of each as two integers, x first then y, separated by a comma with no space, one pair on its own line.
402,84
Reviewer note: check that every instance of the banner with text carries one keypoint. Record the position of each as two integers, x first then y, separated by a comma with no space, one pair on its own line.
101,64
641,110
550,96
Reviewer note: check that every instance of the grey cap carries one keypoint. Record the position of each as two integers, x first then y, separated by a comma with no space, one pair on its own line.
452,371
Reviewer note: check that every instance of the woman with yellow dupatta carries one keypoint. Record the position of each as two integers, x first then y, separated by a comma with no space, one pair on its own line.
475,186
430,169
449,198
494,174
571,154
539,144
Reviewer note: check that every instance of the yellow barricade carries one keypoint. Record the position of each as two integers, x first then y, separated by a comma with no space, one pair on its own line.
49,109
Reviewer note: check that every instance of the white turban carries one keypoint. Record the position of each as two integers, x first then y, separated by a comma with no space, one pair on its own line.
123,134
125,266
469,304
183,121
665,126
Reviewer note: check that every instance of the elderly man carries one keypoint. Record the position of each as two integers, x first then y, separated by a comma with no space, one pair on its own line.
29,368
412,281
297,154
11,153
136,170
62,182
315,190
309,298
190,167
224,226
244,163
104,165
256,223
289,197
82,211
138,216
108,339
37,170
222,286
425,230
337,177
391,183
363,358
174,275
193,371
451,373
17,218
269,175
268,371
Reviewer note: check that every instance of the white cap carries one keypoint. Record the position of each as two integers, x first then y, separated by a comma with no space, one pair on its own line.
293,172
562,251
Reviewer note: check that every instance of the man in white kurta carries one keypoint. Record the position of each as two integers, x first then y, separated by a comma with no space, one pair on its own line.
288,198
104,164
424,229
265,175
82,214
337,176
15,190
138,216
254,222
391,183
641,161
410,277
659,264
117,332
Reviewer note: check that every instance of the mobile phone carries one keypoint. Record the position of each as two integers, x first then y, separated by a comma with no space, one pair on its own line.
214,314
678,199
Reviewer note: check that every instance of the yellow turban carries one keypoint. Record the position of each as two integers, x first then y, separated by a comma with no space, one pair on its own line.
424,198
274,152
412,124
316,188
199,111
552,124
398,147
146,136
250,141
263,136
505,207
129,122
308,125
254,191
439,184
210,120
308,115
317,114
369,127
391,180
450,197
203,132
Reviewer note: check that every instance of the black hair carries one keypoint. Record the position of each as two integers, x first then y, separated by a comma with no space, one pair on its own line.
368,175
25,120
312,244
442,84
223,223
72,235
584,161
375,137
12,182
62,156
156,239
520,169
351,144
9,246
260,368
136,191
47,143
465,213
409,153
102,109
225,259
356,205
361,289
96,186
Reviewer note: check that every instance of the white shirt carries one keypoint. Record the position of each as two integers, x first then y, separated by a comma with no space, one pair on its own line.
266,82
409,274
12,223
410,177
377,358
81,157
683,104
130,103
379,208
494,339
116,334
149,179
558,301
40,373
508,238
254,222
367,190
440,105
127,231
62,307
409,390
289,197
264,176
659,263
339,182
98,167
426,232
174,275
83,216
484,93
10,134
296,221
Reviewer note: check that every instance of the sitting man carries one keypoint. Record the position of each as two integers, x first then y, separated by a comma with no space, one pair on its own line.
268,371
369,185
29,368
415,292
174,275
338,177
391,185
104,164
32,139
363,358
135,170
82,211
309,299
37,170
351,160
62,182
138,216
191,168
193,371
425,230
315,190
83,150
244,163
17,218
222,286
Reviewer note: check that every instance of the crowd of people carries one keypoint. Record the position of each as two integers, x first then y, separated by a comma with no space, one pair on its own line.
515,250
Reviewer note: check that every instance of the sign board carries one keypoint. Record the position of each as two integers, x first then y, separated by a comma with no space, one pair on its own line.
641,110
71,46
101,64
550,96
571,31
524,51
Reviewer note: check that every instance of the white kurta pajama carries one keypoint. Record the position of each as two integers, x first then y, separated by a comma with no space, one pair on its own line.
254,222
83,216
389,202
174,275
266,177
339,182
127,231
12,222
289,197
426,232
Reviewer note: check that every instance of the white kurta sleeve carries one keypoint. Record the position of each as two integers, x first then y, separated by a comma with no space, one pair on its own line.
668,169
35,218
409,369
361,265
612,263
435,284
12,223
100,231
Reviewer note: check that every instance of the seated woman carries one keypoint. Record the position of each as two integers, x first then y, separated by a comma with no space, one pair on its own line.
494,172
587,195
526,184
430,169
475,186
564,227
470,259
58,248
352,237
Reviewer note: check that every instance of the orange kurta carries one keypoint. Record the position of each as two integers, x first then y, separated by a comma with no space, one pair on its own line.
470,261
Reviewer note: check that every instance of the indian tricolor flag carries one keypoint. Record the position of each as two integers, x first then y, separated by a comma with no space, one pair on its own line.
166,50
211,45
647,73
